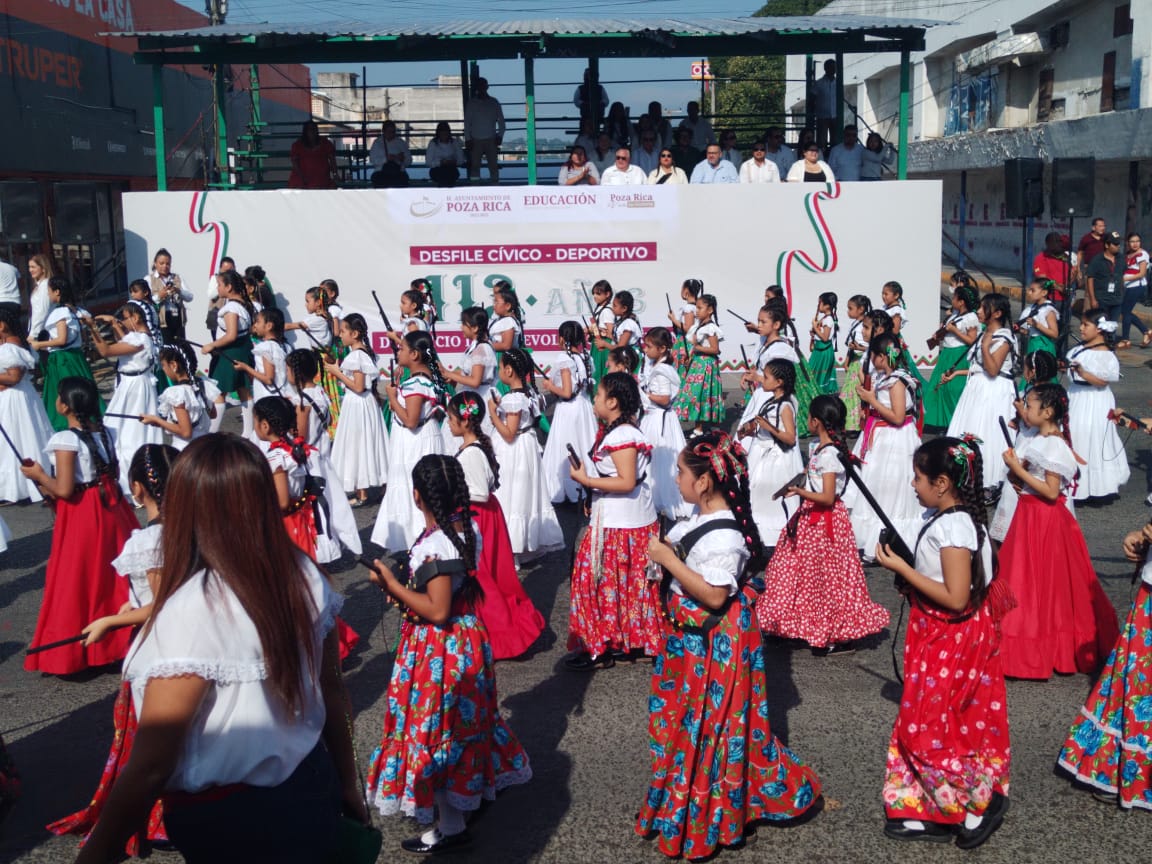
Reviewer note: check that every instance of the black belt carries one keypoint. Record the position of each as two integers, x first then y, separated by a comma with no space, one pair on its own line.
137,372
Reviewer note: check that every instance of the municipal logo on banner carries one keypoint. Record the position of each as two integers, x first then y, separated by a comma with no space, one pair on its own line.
537,204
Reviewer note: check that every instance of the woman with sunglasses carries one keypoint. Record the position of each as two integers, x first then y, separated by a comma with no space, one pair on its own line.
666,171
811,169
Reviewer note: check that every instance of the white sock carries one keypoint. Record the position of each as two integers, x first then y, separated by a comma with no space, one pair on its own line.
431,836
913,824
214,422
246,417
451,819
972,821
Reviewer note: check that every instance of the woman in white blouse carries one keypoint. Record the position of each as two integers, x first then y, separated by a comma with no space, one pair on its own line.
811,169
243,718
39,303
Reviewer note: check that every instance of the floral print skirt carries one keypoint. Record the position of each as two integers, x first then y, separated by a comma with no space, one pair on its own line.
701,399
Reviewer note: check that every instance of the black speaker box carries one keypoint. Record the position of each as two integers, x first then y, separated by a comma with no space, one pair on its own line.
76,218
21,211
1073,186
1024,187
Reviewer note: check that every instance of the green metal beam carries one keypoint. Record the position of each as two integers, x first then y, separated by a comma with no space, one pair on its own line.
902,135
530,115
221,104
158,129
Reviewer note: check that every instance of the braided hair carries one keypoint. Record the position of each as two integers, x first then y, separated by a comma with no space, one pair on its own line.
1055,398
625,356
320,294
897,289
477,317
304,367
861,302
960,461
1042,364
694,287
708,300
237,287
998,305
358,327
724,460
829,299
623,388
83,402
832,413
969,297
783,371
627,303
427,302
280,415
423,344
150,467
469,409
520,363
881,322
571,333
274,318
416,297
777,310
504,290
660,338
179,353
439,481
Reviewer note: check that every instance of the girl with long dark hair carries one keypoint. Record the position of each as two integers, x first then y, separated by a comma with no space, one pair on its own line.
573,422
234,346
64,344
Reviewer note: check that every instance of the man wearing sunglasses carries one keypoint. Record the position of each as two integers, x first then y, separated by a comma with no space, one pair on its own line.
623,173
759,169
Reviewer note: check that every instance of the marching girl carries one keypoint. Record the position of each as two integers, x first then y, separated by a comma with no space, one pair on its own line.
139,564
64,344
874,323
806,387
411,315
186,408
1106,747
321,329
893,296
1092,366
22,414
659,384
814,587
601,324
1040,320
434,754
135,393
886,445
701,400
507,331
990,389
623,358
773,457
477,371
1065,622
513,623
234,346
614,607
949,756
856,343
822,344
773,346
360,448
961,330
523,494
573,422
683,318
716,766
626,329
267,371
417,408
93,521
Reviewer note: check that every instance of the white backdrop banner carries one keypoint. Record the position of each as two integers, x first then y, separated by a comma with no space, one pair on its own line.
552,243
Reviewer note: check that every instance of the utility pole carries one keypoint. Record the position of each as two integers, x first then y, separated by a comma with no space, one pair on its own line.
217,11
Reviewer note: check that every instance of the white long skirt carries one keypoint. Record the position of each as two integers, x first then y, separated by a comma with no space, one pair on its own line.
1095,438
982,404
399,522
662,428
23,417
136,395
532,524
360,448
770,466
887,472
572,423
341,532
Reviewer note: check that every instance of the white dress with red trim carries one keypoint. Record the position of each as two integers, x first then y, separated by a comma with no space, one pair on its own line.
661,427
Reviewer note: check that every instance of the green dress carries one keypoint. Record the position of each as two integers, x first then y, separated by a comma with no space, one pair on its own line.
822,366
940,399
65,362
228,378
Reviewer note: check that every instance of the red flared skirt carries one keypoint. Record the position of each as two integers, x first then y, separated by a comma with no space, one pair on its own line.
301,527
513,623
1065,622
80,584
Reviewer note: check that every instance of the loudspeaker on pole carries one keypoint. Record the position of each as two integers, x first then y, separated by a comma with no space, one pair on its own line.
1073,186
1023,187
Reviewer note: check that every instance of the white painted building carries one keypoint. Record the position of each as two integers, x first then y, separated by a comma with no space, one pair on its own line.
1008,79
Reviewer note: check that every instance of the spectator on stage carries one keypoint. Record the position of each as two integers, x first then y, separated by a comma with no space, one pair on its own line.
729,150
313,160
714,169
778,153
578,171
390,157
660,124
759,169
619,126
702,134
683,151
666,171
847,158
603,156
878,155
1092,243
483,131
623,173
811,169
823,97
591,100
1055,263
587,136
646,157
444,156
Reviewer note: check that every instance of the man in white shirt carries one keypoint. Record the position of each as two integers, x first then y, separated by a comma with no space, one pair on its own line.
647,157
390,157
623,173
846,159
776,152
9,287
702,134
758,169
714,169
483,132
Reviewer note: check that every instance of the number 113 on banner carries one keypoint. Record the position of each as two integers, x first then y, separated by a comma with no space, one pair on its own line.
702,69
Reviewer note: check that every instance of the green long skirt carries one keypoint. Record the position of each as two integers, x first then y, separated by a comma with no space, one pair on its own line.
228,378
850,397
822,366
68,363
807,389
940,399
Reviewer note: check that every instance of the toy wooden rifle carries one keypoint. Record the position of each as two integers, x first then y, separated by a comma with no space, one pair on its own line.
889,536
676,328
593,324
738,317
747,365
121,416
936,338
383,314
798,480
69,641
1006,433
27,463
955,365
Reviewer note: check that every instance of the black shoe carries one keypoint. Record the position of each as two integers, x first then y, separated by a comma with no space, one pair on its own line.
583,662
442,845
933,833
993,819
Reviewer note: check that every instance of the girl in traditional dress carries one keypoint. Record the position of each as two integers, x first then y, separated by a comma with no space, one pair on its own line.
875,322
135,393
1092,366
320,329
716,766
886,445
444,745
274,422
893,296
513,623
93,521
267,370
139,564
815,588
234,346
623,358
573,423
1106,748
773,457
417,410
822,343
360,448
507,331
1065,622
64,345
477,371
856,343
961,330
523,494
659,385
806,388
22,414
601,324
614,606
770,323
949,755
411,316
626,329
990,389
683,319
1040,320
187,406
701,400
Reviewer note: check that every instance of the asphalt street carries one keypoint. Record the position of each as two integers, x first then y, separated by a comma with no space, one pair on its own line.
586,733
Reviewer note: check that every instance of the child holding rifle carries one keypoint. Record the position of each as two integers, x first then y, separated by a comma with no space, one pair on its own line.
955,337
683,319
856,343
702,398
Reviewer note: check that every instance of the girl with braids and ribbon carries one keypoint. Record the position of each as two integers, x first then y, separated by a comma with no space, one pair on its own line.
417,410
949,756
601,321
716,766
233,347
806,385
186,409
659,384
445,748
856,344
512,621
93,521
1039,323
893,296
267,371
523,492
683,318
701,401
573,421
814,587
822,343
770,324
477,371
139,564
614,607
1065,622
961,329
321,330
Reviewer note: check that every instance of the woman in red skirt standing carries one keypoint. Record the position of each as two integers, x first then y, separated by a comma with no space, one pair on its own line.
949,755
93,521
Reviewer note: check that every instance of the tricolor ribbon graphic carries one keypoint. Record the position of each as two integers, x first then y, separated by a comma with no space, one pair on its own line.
827,243
197,225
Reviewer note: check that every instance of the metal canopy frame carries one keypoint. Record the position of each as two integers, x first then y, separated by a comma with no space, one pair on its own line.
261,45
